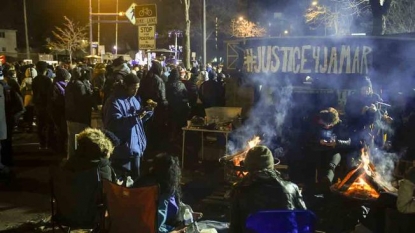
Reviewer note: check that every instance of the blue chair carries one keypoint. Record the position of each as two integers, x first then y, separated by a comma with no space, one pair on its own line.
281,221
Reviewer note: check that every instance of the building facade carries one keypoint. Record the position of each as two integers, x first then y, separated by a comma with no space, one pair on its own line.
8,42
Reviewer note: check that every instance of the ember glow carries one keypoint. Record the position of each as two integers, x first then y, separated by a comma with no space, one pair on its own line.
363,182
240,156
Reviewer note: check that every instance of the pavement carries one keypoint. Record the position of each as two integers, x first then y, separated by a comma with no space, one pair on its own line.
25,194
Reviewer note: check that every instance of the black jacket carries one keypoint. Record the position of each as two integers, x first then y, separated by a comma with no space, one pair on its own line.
209,93
262,190
42,86
354,105
78,163
78,102
337,133
153,87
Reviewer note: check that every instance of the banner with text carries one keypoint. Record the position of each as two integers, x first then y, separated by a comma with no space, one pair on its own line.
147,37
306,57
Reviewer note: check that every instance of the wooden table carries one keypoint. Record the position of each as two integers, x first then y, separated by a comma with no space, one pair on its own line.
202,131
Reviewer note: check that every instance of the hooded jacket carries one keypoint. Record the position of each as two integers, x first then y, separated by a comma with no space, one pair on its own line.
153,87
262,190
121,117
78,102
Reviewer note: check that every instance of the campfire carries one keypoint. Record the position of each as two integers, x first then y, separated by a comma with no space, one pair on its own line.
363,182
234,169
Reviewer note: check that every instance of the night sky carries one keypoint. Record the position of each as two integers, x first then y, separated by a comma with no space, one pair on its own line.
44,15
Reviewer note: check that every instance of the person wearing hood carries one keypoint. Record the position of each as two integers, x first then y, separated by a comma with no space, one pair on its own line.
125,116
93,151
152,87
209,92
57,107
261,189
27,94
176,93
78,105
42,86
119,70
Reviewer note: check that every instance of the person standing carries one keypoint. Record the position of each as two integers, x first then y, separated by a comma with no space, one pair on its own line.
27,94
178,110
11,106
152,87
78,105
124,116
42,85
57,107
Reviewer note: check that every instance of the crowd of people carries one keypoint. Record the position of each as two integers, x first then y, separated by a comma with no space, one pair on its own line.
62,98
144,108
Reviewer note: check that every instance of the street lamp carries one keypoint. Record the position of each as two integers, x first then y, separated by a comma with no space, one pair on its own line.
176,33
314,3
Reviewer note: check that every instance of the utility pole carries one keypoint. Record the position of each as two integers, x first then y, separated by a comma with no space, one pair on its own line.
204,33
116,32
99,24
26,31
90,28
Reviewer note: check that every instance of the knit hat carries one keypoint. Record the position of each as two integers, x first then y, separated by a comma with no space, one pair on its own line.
118,61
130,79
258,158
410,175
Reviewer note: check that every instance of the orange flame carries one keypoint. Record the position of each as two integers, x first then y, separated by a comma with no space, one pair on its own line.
239,157
254,142
362,188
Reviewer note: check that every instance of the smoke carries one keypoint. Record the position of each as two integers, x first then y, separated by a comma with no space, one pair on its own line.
267,117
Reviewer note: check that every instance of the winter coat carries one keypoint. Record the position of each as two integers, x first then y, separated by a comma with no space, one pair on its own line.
11,105
354,105
406,203
192,91
176,94
3,124
337,133
116,76
209,93
262,190
121,117
42,86
57,97
78,102
79,163
153,87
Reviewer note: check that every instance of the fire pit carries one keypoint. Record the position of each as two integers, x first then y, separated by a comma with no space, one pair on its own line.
363,182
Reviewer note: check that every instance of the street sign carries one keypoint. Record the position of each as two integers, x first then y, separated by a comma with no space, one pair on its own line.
147,37
146,14
130,13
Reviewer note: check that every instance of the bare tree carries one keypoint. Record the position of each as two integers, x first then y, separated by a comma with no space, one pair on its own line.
71,37
245,28
400,17
336,15
186,47
379,10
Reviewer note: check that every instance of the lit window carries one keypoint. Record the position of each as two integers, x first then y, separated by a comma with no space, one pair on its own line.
2,35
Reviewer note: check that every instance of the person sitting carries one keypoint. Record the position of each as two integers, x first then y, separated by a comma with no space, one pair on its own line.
406,202
167,173
93,150
327,140
261,189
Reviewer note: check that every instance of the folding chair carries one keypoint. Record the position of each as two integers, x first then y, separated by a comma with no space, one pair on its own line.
131,210
281,221
76,199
